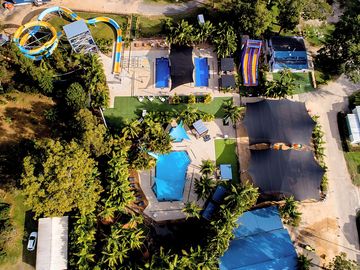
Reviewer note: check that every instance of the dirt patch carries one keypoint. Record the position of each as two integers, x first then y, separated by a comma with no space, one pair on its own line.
22,117
321,236
243,151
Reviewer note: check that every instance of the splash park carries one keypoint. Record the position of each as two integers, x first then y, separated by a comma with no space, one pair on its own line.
38,39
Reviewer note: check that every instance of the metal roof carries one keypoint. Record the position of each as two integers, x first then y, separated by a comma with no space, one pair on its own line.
52,247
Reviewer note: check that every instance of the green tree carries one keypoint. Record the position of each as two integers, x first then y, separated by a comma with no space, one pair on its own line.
75,97
207,167
131,130
91,134
60,177
204,186
289,14
318,9
232,112
192,210
341,262
281,88
289,212
181,33
303,262
341,53
204,32
225,40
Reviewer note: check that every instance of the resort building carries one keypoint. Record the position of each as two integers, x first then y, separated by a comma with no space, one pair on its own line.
353,123
287,53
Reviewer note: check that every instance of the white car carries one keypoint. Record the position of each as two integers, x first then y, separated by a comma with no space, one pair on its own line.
32,241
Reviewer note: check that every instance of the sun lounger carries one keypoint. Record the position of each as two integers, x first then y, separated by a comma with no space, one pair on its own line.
144,112
150,98
162,99
140,98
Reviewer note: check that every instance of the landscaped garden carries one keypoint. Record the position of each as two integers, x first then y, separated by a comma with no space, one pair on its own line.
225,151
130,108
301,80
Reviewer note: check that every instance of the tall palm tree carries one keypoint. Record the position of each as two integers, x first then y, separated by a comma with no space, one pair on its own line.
131,130
225,40
232,112
192,210
204,186
204,32
207,167
289,211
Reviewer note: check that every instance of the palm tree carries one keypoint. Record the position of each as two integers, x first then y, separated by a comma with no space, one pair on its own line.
207,167
225,40
182,33
131,130
204,186
192,210
204,32
282,87
289,211
190,115
232,112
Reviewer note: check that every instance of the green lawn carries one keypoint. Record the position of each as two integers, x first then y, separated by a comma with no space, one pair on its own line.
129,108
353,162
150,26
301,80
225,151
316,35
100,30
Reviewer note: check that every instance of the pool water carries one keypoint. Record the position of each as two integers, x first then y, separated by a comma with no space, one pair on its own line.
179,133
170,176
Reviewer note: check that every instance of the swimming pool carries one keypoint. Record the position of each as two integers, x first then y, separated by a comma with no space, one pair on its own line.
162,72
179,133
170,176
201,72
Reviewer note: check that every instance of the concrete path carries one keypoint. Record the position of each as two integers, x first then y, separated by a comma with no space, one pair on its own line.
343,197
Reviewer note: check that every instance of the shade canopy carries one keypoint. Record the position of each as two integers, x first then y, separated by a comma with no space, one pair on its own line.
227,64
288,173
227,81
261,243
200,127
273,121
181,65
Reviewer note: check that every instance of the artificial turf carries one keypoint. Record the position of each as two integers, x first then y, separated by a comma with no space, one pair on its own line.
225,152
302,81
129,108
353,162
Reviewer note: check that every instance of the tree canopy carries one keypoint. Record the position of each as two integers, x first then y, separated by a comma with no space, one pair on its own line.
60,177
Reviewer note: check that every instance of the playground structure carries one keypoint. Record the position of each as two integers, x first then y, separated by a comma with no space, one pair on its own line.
249,62
26,35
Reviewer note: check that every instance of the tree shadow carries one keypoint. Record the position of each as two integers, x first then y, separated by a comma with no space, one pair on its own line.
30,225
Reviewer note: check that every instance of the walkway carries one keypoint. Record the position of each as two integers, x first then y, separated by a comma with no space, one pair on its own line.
343,197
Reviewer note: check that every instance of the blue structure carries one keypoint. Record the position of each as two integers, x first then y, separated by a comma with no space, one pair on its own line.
179,133
288,52
162,72
225,171
171,175
209,210
201,72
219,194
261,243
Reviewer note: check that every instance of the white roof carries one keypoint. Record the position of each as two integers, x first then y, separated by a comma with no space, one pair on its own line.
52,247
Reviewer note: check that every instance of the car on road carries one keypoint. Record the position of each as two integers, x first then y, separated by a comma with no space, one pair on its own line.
32,241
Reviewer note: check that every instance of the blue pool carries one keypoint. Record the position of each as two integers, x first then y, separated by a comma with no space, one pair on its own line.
201,72
170,176
162,72
179,133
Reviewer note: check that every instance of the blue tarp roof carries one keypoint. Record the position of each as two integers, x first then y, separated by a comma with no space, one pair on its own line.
261,243
225,171
200,127
201,72
219,194
162,72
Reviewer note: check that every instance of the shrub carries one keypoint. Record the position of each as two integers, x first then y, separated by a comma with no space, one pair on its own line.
76,98
207,98
354,100
104,45
191,99
175,99
289,212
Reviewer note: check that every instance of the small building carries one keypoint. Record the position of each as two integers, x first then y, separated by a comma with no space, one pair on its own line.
288,53
353,123
80,37
260,243
52,247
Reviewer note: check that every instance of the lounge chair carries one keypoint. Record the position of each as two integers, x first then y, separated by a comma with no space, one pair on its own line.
150,98
162,99
144,112
140,98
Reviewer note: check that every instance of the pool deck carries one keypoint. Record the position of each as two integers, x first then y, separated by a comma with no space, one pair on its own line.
197,150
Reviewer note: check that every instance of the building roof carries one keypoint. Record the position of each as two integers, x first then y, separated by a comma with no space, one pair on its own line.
261,243
52,247
274,121
282,43
227,64
227,81
181,65
76,28
290,173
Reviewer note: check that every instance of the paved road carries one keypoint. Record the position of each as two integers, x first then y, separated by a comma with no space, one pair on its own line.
326,103
169,9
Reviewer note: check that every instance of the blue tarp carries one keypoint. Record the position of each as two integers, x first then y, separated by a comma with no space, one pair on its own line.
162,73
201,72
225,171
261,243
219,194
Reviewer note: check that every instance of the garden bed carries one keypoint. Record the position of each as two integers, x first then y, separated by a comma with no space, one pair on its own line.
225,151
